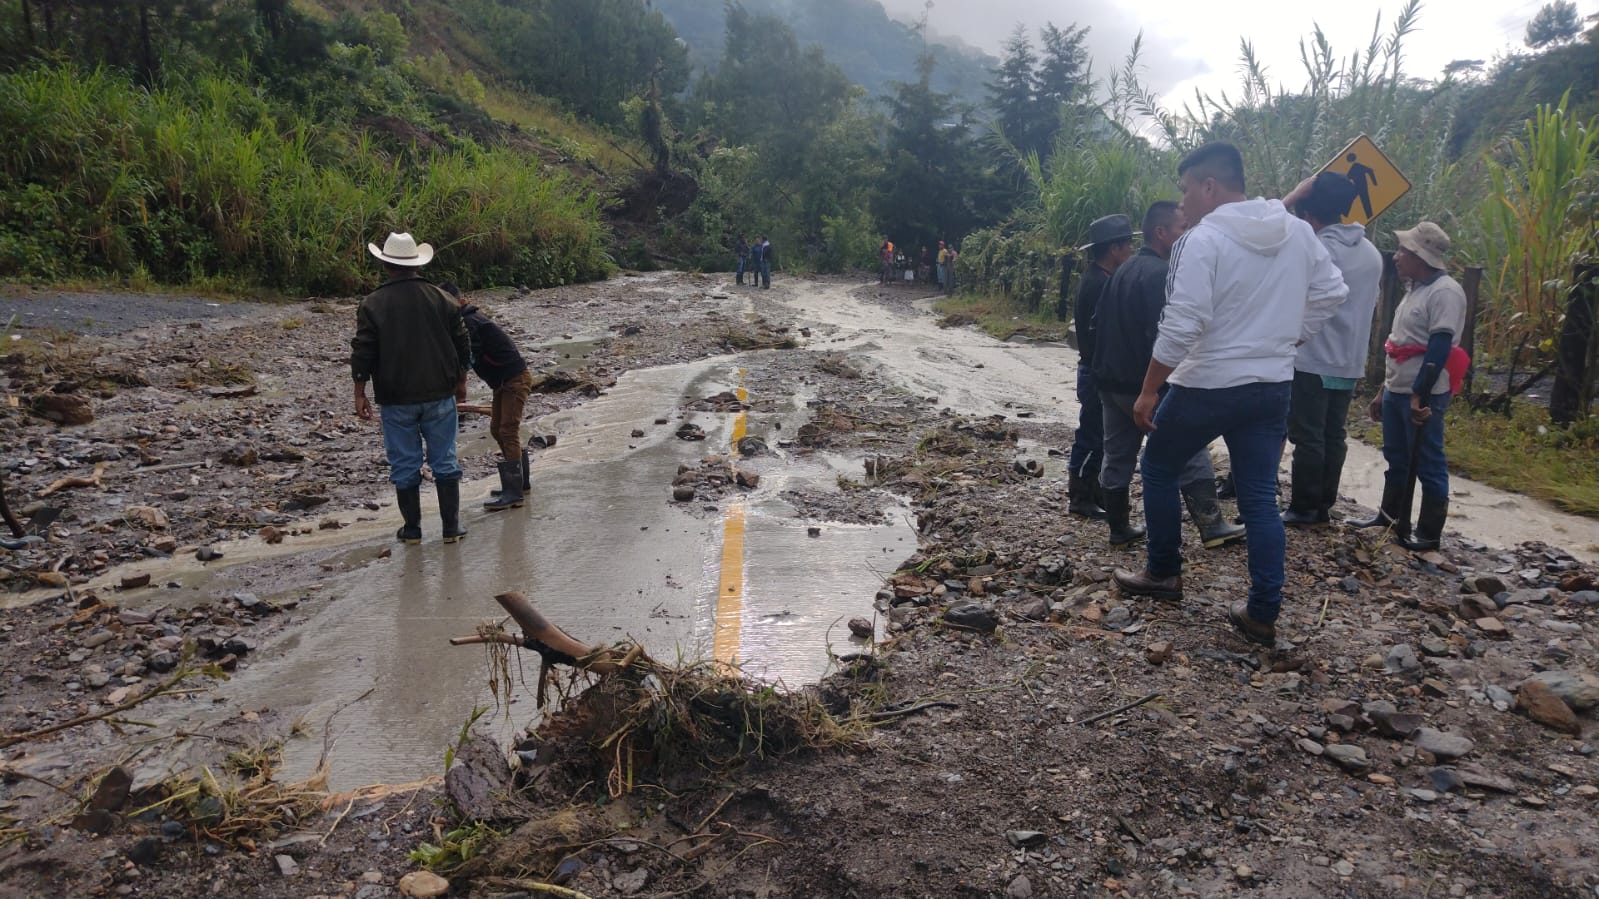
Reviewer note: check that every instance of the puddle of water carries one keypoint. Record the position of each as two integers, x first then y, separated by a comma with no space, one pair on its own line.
601,551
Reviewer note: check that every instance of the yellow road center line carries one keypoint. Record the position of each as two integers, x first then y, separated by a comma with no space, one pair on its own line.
730,587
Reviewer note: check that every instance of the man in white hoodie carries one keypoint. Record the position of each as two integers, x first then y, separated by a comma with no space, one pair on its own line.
1329,364
1249,283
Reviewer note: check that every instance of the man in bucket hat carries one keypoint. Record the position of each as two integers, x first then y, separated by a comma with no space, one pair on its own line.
1110,243
1426,366
412,344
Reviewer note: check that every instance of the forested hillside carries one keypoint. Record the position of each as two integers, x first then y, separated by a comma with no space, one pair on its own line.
872,49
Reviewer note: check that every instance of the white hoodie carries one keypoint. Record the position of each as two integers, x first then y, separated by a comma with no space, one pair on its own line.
1340,349
1247,284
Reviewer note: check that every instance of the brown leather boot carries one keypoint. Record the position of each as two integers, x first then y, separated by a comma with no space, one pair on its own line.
1166,589
1254,631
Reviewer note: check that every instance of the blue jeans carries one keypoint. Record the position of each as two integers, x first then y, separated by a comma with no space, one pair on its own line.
741,261
405,430
1088,445
766,273
1252,419
1432,469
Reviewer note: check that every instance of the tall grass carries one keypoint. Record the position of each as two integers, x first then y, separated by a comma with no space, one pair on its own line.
207,179
1534,222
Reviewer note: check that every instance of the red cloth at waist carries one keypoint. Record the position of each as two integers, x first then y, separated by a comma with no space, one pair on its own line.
1457,363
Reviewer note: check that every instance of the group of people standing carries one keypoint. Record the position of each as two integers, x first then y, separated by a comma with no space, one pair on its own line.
757,258
1249,320
932,267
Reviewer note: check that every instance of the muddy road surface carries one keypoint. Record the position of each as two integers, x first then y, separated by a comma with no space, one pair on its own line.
731,475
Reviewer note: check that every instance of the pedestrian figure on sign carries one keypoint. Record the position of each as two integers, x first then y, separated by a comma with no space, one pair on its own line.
1110,243
1248,283
411,343
1426,366
497,361
1364,179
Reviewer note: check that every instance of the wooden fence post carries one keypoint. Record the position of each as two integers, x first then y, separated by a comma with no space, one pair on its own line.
1390,291
1468,340
1569,400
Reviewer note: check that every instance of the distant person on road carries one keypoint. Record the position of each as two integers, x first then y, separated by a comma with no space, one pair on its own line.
768,259
1364,178
497,361
1423,348
1328,365
943,264
756,251
412,344
924,268
1110,243
742,252
949,273
1127,323
885,259
1248,283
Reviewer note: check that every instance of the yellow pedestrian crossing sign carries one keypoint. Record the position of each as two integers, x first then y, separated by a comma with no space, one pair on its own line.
1378,182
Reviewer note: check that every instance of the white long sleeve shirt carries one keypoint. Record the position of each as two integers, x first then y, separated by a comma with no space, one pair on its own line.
1247,284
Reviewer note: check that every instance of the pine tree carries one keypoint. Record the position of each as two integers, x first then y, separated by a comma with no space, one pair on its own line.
1063,77
1013,94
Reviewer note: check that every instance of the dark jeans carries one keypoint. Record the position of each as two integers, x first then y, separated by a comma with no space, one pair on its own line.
766,273
1252,419
741,261
1123,440
1432,469
1316,425
1088,445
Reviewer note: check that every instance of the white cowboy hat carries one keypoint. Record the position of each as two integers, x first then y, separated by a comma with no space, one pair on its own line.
402,249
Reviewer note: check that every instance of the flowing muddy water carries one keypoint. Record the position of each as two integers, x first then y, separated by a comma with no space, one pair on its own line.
603,553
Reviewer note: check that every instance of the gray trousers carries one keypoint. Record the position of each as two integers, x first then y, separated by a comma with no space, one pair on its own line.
1123,440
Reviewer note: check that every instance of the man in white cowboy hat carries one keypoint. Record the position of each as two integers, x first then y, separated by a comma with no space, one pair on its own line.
412,344
1426,366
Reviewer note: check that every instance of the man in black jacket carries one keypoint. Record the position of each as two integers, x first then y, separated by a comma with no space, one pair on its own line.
497,361
1128,322
1111,244
411,343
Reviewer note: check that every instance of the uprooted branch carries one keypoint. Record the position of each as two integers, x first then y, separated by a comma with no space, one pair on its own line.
94,480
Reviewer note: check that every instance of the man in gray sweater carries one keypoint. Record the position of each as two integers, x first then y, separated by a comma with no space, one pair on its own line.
1330,363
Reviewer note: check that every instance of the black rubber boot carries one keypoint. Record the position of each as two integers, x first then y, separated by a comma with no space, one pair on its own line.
527,472
1429,525
1080,498
410,502
509,496
450,509
1307,507
1118,509
1387,512
1205,510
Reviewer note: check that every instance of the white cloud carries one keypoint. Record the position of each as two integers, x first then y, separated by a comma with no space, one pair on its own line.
1189,45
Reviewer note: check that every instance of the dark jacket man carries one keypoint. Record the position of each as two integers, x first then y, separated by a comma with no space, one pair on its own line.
495,357
410,342
1127,322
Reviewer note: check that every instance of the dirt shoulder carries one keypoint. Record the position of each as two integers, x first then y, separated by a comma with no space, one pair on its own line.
962,755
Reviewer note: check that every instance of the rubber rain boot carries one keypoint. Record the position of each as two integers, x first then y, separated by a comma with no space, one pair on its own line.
1080,499
450,509
527,472
510,492
1205,509
1118,508
1386,514
1429,525
409,500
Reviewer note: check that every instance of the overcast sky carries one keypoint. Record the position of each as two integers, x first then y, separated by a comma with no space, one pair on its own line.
1190,44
